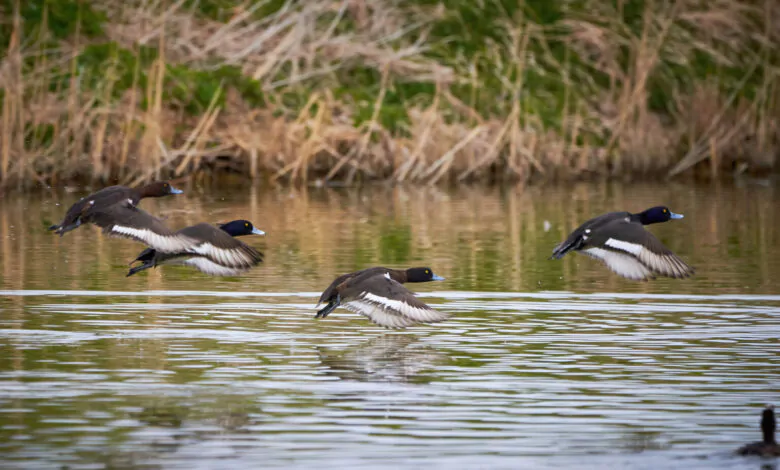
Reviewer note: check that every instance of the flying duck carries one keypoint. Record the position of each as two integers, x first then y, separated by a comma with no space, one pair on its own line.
106,197
222,238
204,246
768,447
378,294
620,241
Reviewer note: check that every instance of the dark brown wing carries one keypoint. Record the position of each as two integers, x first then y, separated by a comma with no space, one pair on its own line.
105,197
220,247
388,303
574,240
124,220
633,239
330,292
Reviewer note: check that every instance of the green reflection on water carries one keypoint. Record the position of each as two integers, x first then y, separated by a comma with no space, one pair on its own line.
189,368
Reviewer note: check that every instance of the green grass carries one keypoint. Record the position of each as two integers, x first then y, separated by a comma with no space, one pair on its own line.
567,70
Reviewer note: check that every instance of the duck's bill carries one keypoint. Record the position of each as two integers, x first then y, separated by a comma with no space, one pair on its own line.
675,216
437,278
257,231
176,191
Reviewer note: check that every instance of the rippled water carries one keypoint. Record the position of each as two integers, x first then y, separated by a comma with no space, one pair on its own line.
545,364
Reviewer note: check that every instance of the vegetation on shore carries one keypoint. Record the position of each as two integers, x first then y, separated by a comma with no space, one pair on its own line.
402,90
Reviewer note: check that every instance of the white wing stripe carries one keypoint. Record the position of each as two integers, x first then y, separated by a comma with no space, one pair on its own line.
668,265
207,266
162,243
633,248
378,315
382,315
646,266
402,308
622,264
230,257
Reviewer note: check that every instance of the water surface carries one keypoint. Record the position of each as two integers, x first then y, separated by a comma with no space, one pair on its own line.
545,364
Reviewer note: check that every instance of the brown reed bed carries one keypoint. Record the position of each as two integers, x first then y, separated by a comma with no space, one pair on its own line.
356,90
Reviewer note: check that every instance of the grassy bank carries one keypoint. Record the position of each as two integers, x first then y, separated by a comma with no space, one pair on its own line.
401,90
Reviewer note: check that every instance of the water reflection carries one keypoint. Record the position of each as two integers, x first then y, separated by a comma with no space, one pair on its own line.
484,240
642,441
387,358
177,415
543,365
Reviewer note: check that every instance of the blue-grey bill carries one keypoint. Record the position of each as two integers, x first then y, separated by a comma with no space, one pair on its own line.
436,277
675,216
257,231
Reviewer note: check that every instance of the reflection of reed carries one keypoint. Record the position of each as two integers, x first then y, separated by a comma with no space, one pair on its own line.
480,239
386,358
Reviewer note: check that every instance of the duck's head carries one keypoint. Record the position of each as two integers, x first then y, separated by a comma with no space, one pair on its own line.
657,214
159,189
768,423
237,228
421,275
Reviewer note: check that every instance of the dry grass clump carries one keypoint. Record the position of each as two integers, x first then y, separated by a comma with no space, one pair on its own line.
356,89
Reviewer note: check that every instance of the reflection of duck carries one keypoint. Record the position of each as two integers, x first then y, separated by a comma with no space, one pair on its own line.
233,420
641,441
175,415
161,415
386,358
767,447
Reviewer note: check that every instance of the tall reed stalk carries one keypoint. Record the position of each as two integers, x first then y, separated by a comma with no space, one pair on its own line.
401,90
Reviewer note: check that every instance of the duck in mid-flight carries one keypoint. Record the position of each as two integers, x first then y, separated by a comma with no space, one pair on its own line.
378,294
219,239
80,212
619,240
208,248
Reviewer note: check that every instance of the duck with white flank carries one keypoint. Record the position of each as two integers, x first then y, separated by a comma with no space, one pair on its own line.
203,246
767,447
620,241
378,294
222,237
79,213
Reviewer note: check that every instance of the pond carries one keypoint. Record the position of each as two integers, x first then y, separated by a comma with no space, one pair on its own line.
544,364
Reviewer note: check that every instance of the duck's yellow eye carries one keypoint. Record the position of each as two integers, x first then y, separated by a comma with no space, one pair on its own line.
246,225
427,272
664,211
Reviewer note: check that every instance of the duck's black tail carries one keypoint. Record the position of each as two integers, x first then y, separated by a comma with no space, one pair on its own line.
139,268
62,229
565,247
329,308
145,256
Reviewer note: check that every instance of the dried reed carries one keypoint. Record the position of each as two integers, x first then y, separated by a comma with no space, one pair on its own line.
357,89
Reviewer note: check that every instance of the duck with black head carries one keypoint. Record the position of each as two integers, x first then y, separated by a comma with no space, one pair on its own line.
620,241
221,239
767,447
79,212
204,246
378,294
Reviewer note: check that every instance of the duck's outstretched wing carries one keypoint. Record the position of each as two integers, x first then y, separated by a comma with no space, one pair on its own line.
643,257
329,293
220,248
391,305
124,220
